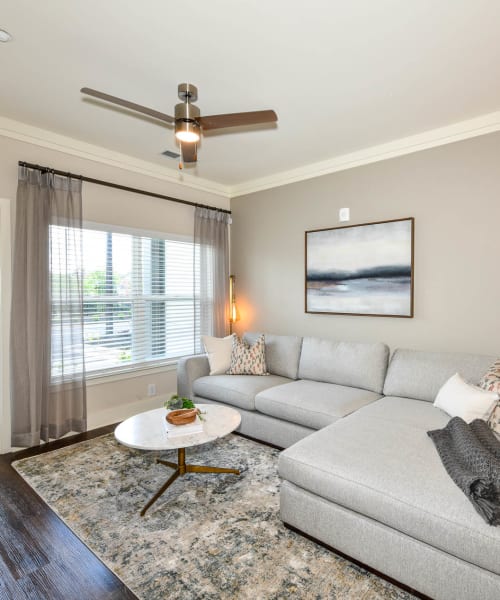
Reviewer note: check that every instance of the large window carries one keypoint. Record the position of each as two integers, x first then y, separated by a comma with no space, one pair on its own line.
139,299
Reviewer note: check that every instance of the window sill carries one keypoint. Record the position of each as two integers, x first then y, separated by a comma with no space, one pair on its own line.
101,378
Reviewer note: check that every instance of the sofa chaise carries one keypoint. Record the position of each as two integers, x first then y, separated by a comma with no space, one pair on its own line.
359,472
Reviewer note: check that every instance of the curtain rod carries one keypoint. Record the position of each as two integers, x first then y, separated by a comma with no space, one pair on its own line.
119,187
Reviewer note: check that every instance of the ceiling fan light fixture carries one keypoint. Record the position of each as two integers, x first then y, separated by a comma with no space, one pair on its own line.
187,131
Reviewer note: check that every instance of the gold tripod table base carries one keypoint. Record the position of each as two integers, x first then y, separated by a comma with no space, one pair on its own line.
181,468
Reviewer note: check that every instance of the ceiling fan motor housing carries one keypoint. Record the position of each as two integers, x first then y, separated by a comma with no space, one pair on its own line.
187,114
186,111
187,128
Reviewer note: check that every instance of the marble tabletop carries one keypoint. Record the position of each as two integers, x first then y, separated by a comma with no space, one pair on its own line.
147,431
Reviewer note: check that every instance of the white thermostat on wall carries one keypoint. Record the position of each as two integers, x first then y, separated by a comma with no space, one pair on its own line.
344,214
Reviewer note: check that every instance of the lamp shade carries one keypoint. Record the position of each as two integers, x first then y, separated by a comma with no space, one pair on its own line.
234,315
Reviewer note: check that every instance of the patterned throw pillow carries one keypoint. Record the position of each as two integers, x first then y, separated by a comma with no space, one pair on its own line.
491,382
248,359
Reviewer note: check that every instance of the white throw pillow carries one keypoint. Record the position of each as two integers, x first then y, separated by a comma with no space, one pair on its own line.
219,353
460,399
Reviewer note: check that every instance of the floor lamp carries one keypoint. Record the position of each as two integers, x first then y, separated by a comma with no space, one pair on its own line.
234,315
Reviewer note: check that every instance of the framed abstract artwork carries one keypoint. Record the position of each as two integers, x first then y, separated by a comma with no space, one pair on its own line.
361,269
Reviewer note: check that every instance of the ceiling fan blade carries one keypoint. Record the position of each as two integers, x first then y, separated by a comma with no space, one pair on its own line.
126,104
238,119
188,150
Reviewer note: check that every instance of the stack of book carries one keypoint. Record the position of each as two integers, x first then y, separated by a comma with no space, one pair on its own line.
179,430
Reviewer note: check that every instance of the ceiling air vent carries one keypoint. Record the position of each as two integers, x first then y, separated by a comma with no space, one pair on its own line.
170,154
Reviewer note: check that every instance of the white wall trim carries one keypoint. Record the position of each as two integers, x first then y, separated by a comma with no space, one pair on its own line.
116,414
463,130
54,141
132,374
5,293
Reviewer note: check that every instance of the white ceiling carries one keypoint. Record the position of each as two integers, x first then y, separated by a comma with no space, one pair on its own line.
342,76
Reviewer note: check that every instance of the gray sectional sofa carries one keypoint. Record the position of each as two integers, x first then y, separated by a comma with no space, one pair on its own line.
359,472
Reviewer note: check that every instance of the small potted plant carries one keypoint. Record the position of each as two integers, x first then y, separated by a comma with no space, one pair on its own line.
181,410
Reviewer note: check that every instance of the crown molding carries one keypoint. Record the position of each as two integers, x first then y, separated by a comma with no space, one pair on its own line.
54,141
463,130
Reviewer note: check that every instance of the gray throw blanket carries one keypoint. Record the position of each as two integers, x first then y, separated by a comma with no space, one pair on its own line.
471,456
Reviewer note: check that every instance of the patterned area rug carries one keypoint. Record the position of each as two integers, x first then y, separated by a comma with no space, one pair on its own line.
208,537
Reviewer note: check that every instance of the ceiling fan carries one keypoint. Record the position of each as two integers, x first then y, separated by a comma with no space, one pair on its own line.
189,124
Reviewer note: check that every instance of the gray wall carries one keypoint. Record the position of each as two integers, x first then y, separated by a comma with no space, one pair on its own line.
454,194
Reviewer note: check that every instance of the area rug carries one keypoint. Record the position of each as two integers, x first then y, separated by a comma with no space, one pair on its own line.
208,537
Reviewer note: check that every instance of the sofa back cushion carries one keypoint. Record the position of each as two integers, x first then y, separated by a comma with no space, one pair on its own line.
420,375
356,364
282,353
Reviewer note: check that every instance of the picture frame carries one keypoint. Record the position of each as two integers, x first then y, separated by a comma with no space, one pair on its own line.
362,270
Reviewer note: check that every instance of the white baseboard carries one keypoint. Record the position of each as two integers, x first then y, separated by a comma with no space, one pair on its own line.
112,415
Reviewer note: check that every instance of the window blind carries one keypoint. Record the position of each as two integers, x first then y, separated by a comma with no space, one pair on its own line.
138,299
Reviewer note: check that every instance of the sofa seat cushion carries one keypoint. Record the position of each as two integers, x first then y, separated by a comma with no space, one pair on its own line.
236,390
387,468
312,403
405,411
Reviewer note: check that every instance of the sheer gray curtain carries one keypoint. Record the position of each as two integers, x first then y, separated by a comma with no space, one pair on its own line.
48,392
211,247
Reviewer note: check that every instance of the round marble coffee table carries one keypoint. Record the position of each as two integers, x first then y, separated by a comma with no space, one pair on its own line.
147,431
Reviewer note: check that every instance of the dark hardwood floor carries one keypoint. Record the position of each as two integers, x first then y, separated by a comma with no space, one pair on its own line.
41,558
